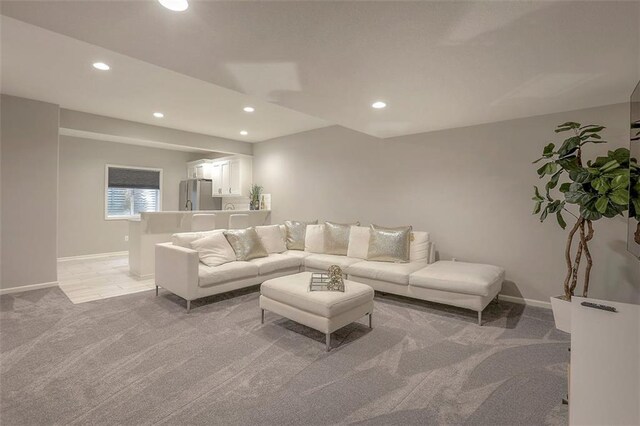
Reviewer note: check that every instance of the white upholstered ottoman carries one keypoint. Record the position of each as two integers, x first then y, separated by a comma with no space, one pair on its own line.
462,284
325,311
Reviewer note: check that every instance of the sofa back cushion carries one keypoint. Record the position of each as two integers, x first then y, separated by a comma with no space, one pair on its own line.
184,239
389,244
336,237
314,239
420,247
296,231
272,238
214,250
358,242
246,244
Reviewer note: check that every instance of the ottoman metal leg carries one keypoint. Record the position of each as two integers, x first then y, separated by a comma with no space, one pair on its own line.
188,306
328,340
370,319
261,316
480,318
156,290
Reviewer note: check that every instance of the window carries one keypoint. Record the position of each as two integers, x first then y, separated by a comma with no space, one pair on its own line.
132,190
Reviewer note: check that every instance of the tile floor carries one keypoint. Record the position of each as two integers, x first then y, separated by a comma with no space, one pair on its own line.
94,279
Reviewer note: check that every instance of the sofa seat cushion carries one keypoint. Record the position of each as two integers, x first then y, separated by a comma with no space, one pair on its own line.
293,290
397,273
297,253
323,261
276,262
459,277
209,276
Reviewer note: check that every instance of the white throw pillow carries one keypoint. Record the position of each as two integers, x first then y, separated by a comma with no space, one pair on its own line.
314,239
419,248
358,242
214,250
184,239
272,238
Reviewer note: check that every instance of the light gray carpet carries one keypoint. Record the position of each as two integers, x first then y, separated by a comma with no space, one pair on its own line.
139,359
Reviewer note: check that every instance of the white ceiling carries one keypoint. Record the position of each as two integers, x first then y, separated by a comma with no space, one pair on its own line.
47,66
437,64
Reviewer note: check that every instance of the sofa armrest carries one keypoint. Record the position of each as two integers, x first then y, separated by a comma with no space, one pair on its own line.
177,270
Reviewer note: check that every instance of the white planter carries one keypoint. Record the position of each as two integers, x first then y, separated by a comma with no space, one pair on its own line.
561,313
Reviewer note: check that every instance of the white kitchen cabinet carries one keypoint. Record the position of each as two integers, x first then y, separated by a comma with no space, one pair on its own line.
234,177
231,176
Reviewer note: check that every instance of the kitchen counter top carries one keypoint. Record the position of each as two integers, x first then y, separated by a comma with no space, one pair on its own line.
157,227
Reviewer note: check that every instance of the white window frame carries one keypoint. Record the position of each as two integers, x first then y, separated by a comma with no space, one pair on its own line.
106,190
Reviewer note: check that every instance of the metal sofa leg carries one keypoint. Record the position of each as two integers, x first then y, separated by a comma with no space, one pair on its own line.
370,319
156,290
328,341
188,306
480,318
262,316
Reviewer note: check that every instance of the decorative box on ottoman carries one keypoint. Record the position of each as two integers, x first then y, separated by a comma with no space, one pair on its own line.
325,311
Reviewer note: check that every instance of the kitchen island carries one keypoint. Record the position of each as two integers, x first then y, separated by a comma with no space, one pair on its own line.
157,227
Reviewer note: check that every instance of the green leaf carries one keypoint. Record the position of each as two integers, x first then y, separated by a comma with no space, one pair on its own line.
620,197
565,187
569,163
567,126
544,214
548,150
620,181
537,207
589,214
569,146
580,176
537,196
601,185
621,155
601,204
609,166
553,182
548,169
561,221
594,129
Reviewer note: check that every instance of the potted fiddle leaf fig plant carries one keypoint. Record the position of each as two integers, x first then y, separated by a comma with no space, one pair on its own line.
597,189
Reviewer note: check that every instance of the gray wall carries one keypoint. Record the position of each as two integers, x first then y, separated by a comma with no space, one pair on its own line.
29,145
82,227
470,188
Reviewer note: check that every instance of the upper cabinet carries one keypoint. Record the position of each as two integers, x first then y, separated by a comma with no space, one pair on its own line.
231,176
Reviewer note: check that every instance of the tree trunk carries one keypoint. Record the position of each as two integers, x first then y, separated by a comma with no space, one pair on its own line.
585,240
576,267
568,292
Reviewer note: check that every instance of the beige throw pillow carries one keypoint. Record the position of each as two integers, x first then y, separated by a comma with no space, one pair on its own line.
314,239
246,243
296,231
272,238
389,244
336,237
214,250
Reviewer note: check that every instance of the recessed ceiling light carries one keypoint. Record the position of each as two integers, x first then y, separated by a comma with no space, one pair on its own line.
248,109
244,132
378,105
101,66
175,5
158,114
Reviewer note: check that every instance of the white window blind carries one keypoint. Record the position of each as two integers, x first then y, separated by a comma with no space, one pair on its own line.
131,191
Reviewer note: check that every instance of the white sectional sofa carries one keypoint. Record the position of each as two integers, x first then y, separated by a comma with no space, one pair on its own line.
465,285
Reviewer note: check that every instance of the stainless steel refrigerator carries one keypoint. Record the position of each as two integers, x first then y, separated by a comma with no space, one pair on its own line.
196,194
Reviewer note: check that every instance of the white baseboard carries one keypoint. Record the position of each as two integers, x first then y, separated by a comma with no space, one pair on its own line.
523,301
93,256
28,287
